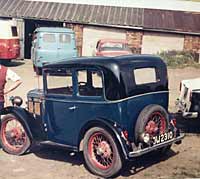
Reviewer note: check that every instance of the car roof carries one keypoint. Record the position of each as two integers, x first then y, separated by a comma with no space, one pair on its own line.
106,62
54,29
113,41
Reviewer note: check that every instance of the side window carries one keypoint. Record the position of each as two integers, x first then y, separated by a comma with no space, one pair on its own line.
49,38
90,83
14,31
145,76
64,38
59,82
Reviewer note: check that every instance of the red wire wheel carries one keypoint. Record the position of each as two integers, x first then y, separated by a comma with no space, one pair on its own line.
101,152
156,124
14,138
153,119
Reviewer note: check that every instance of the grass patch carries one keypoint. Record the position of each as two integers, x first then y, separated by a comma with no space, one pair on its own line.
179,59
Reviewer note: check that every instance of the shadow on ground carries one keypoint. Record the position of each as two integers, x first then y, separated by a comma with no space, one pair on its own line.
58,154
130,168
13,63
145,161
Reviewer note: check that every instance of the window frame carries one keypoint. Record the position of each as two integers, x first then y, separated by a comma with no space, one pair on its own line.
145,83
45,81
102,97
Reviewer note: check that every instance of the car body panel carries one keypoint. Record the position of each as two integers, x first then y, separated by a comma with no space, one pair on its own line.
51,44
188,102
112,47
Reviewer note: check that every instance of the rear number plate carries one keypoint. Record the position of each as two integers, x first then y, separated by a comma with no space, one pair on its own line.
162,137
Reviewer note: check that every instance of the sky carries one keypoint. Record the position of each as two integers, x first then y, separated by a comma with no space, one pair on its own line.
153,4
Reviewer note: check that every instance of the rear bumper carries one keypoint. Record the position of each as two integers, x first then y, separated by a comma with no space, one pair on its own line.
190,115
155,147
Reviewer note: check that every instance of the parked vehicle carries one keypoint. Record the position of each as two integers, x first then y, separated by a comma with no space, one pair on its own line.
51,44
9,41
188,102
111,108
112,47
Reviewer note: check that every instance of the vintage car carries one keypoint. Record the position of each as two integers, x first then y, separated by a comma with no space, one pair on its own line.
111,108
188,103
112,47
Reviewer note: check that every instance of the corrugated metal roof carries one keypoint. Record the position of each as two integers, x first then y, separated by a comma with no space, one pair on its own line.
102,15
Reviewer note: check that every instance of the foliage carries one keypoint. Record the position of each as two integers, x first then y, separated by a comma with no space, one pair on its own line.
178,59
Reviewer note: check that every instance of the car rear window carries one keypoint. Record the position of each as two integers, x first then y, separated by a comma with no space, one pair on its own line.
64,38
49,38
145,76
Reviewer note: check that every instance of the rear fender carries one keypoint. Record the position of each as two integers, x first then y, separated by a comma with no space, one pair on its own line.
33,128
113,128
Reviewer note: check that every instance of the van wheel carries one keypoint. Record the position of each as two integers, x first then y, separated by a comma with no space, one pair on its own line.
37,70
101,153
13,136
153,120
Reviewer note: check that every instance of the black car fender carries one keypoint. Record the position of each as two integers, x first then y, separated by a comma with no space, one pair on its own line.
33,128
112,127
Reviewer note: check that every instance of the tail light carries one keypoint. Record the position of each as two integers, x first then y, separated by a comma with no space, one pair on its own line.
173,122
190,97
125,134
180,86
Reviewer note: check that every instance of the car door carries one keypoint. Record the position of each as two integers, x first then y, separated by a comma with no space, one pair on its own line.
59,106
66,46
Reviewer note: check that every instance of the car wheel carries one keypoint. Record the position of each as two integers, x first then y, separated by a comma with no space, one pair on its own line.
13,136
101,152
153,120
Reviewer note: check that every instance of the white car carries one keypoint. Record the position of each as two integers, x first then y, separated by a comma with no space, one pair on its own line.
188,102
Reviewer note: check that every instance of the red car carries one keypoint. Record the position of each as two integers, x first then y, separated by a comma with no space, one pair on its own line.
112,47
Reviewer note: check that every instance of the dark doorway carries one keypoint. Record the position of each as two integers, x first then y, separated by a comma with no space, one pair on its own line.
30,26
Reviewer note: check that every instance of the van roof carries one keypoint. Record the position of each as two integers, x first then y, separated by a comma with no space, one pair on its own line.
54,29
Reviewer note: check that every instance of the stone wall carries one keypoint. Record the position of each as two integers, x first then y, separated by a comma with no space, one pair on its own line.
134,39
192,43
78,29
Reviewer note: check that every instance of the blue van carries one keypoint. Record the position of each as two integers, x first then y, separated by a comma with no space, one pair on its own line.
52,44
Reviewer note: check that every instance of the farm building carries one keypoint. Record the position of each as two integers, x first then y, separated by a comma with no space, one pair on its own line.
147,30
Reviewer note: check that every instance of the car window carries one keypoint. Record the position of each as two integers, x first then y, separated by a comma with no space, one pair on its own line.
145,75
64,38
49,38
14,31
59,82
90,83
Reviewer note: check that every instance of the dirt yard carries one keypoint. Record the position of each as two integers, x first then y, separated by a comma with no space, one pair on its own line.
183,161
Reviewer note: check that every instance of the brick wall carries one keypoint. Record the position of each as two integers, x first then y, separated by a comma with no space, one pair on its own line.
192,43
134,39
78,29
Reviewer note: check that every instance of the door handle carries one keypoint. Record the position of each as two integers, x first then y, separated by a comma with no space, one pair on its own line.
72,107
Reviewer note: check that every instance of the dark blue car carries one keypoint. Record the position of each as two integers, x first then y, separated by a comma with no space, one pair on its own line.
111,108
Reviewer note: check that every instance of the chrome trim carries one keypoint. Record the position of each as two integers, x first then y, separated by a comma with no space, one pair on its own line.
190,115
155,147
102,102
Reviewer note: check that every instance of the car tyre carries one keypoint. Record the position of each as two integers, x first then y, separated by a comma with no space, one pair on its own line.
14,138
155,114
101,153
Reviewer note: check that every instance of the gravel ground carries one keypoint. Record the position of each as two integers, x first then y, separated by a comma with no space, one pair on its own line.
182,161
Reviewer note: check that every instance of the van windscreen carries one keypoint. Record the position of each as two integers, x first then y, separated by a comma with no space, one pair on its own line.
14,31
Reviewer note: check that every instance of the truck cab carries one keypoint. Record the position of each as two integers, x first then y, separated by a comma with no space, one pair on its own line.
9,41
50,44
